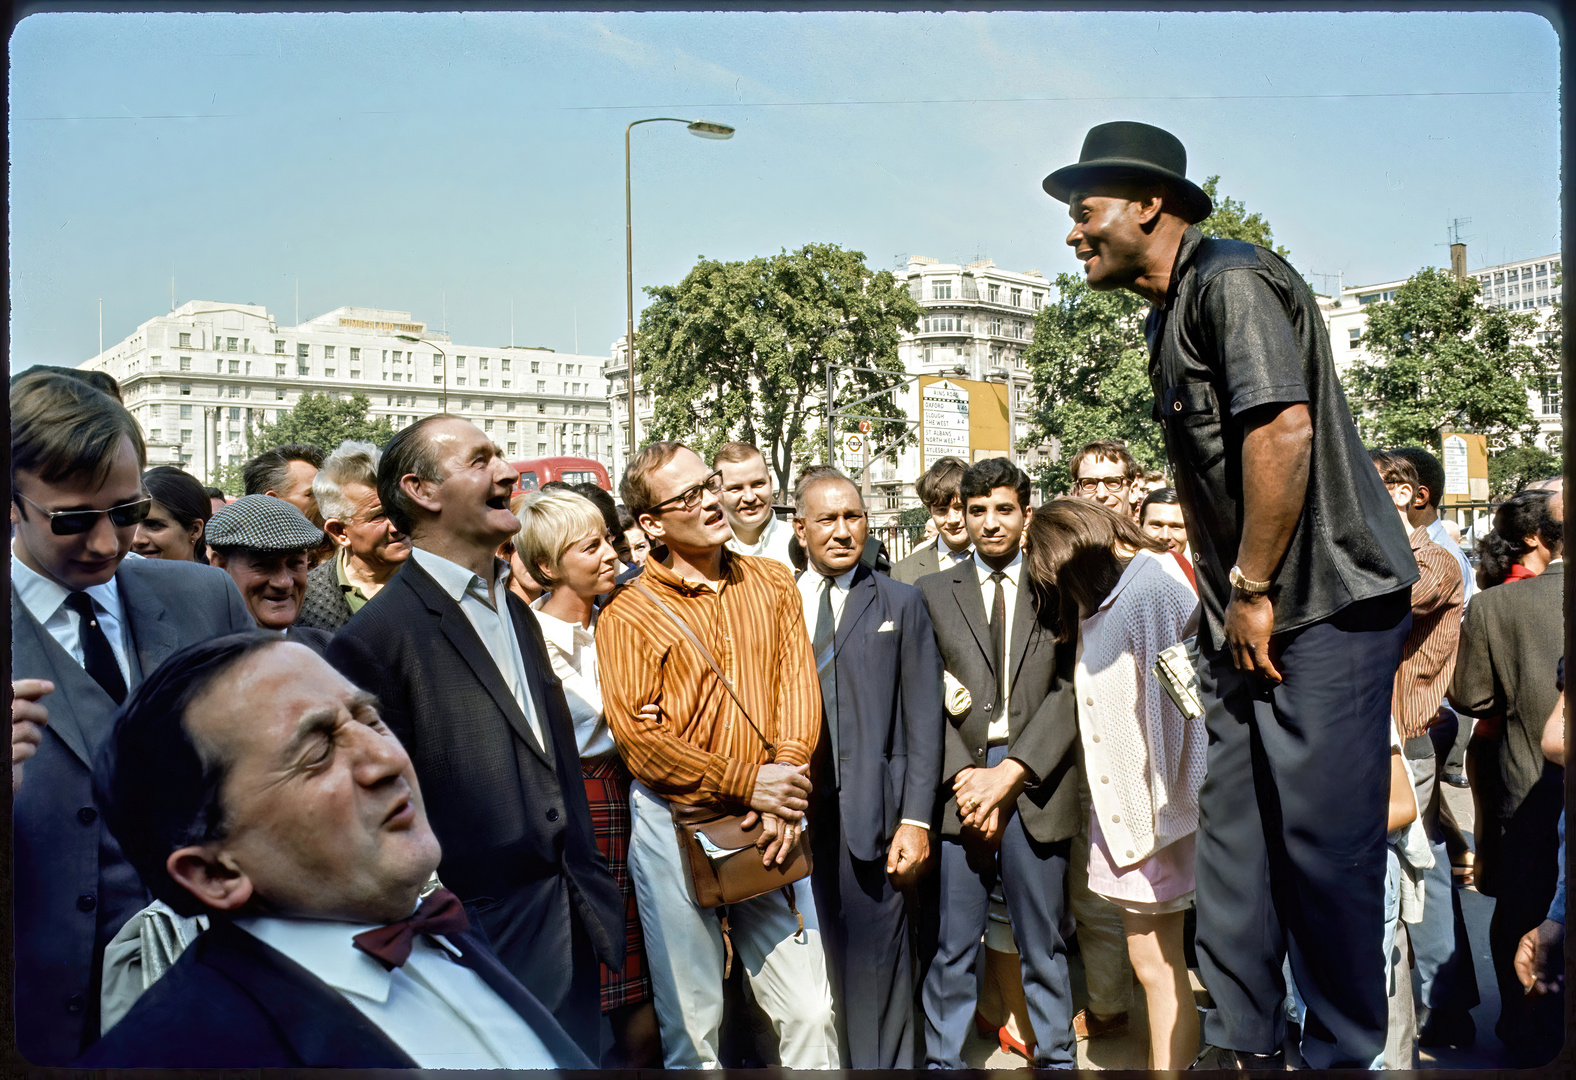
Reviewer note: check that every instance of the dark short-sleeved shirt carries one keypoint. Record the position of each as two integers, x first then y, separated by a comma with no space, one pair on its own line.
1240,329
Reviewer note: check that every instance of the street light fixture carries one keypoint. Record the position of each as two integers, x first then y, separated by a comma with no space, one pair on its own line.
705,130
424,341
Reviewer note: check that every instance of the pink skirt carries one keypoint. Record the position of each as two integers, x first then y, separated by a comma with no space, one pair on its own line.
1165,875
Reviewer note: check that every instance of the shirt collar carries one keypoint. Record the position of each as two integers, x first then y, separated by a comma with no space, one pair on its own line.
1191,238
455,579
945,552
345,584
768,534
843,581
684,587
558,632
1009,572
326,949
43,596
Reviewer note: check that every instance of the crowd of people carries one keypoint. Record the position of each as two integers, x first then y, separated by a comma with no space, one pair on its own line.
386,763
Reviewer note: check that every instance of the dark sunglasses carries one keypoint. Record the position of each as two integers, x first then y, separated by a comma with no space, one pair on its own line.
690,496
75,522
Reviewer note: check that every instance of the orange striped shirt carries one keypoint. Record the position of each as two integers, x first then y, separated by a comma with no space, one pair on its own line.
702,749
1428,658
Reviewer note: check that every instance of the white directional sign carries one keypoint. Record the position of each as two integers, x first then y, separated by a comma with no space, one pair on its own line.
944,422
1455,455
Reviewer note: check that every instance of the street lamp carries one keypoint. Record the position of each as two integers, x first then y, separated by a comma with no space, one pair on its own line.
1002,375
705,130
423,341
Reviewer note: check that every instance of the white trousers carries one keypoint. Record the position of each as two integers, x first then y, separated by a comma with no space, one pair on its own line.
685,954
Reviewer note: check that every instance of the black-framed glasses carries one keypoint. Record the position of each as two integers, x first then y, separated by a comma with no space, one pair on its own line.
76,522
690,496
1089,485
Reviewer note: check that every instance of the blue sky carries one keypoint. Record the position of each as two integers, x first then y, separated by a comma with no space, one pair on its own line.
464,161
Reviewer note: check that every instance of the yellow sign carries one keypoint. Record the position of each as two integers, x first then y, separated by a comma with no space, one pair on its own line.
962,418
1465,457
402,327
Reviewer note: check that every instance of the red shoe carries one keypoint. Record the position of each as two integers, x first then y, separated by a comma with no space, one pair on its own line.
983,1026
1009,1045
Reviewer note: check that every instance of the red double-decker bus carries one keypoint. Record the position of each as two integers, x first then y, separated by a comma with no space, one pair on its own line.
571,470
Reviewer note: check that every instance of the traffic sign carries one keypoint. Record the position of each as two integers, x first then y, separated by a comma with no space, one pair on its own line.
864,427
853,444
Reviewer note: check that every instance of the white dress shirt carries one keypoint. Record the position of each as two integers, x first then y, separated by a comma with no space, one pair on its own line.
489,615
1009,586
946,558
771,544
432,1007
572,650
45,599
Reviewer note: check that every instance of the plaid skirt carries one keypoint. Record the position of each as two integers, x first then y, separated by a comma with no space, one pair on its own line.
607,790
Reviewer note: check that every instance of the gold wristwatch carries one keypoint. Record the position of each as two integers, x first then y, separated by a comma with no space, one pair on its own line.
1247,584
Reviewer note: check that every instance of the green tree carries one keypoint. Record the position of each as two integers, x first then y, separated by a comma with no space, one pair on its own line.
322,421
1091,376
739,350
1515,467
1230,220
1435,359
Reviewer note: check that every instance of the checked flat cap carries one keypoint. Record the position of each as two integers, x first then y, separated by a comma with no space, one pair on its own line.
262,523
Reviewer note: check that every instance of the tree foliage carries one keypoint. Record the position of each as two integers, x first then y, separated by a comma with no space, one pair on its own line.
322,421
1437,359
739,350
1515,467
1230,220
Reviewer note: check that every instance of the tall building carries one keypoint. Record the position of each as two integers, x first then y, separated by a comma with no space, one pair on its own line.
202,379
1524,285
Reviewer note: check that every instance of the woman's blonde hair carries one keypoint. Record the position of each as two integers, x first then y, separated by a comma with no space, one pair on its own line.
550,522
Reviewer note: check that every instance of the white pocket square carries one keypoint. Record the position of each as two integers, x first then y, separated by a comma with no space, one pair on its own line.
885,627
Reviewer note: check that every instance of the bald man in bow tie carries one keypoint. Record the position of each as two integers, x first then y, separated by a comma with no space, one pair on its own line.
249,781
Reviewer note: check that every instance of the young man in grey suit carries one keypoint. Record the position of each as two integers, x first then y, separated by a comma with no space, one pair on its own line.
938,492
877,767
1012,803
461,670
87,626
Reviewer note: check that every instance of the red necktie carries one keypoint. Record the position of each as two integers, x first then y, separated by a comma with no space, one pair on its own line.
440,913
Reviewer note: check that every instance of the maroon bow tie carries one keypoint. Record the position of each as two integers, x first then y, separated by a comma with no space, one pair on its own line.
440,913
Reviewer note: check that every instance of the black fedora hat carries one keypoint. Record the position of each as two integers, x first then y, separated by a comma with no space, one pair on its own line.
1126,149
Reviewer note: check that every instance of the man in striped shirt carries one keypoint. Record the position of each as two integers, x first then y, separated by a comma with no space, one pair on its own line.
704,749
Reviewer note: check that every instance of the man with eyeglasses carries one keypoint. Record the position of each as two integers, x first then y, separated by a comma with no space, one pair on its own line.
1104,471
87,626
706,748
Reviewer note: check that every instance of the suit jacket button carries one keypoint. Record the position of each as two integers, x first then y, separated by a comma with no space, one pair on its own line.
87,902
87,815
552,815
75,1003
980,752
987,708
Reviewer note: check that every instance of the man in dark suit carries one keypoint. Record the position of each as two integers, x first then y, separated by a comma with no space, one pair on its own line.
249,781
938,491
1009,757
461,669
87,624
877,768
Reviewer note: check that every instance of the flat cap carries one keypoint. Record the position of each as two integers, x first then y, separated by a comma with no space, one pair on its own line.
262,523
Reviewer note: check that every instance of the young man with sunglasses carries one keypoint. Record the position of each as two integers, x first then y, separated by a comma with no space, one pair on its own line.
87,626
744,754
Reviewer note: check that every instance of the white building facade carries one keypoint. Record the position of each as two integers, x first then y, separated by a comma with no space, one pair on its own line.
1524,285
202,379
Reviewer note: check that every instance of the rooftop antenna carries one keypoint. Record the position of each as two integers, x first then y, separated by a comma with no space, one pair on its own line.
1458,246
1339,280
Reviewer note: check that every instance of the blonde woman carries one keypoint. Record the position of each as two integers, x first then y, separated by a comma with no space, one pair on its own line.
562,545
1129,601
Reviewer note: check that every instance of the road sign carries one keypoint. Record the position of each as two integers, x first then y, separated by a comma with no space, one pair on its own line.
944,410
853,444
864,427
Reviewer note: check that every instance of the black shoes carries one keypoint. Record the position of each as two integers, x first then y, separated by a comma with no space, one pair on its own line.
1445,1027
1219,1057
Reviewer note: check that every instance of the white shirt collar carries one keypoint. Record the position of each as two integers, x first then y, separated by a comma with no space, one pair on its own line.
1009,572
455,579
561,633
842,581
762,542
944,551
326,950
43,596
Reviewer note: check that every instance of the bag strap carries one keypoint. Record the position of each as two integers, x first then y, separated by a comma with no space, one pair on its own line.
706,653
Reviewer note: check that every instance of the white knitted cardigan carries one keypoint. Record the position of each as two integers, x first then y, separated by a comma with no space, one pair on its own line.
1144,760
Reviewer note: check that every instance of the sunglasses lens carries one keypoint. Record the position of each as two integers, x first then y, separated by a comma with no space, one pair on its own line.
72,524
135,514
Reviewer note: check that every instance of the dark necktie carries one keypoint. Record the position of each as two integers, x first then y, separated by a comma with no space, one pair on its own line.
97,656
440,913
825,631
998,636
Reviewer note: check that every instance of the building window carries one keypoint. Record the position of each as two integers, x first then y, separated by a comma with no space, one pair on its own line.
541,429
512,450
459,380
465,403
186,389
303,368
541,449
397,355
355,355
1551,394
487,424
459,362
279,346
993,293
186,341
482,363
995,325
510,428
355,373
505,383
1017,298
186,363
482,381
186,412
504,363
941,290
541,386
235,391
231,344
186,435
328,352
235,413
235,367
328,373
303,351
437,378
1037,300
279,393
536,367
541,406
487,405
1017,328
279,371
1353,337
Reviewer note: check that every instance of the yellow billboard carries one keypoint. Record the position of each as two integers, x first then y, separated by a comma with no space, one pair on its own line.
963,418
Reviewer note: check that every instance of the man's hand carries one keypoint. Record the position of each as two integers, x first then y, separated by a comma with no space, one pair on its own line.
1249,620
981,792
28,718
1540,958
783,790
778,838
907,856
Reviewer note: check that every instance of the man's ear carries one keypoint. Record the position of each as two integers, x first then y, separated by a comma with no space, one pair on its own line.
216,558
652,526
1148,207
798,529
1421,497
211,876
420,492
336,531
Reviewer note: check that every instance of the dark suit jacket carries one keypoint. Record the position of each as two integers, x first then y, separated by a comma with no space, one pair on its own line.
324,606
313,638
917,564
1042,719
512,816
72,886
889,715
232,1002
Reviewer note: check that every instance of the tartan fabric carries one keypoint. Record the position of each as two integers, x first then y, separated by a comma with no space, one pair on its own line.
607,790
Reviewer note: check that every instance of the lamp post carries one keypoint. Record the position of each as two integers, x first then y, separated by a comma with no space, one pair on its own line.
1003,375
423,341
705,130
